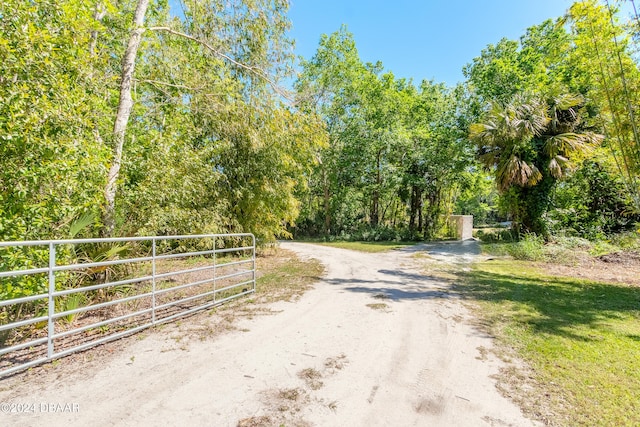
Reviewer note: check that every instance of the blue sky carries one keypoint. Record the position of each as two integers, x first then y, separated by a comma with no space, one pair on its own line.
421,39
418,39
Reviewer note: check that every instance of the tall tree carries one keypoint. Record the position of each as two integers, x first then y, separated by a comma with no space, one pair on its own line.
535,62
609,75
391,145
530,143
328,88
247,36
438,153
142,114
125,104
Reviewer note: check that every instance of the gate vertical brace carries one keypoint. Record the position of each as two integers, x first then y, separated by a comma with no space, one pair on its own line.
51,301
153,281
215,273
253,241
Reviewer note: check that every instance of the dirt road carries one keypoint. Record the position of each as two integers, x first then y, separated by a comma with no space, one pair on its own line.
376,343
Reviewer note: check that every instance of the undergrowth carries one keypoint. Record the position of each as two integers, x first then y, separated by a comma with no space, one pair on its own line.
563,250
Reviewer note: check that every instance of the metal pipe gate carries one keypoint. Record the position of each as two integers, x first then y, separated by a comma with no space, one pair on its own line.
58,297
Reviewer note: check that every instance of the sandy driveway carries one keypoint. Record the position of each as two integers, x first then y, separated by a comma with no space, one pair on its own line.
376,343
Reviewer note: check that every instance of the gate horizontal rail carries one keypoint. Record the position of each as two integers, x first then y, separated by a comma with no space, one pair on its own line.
74,302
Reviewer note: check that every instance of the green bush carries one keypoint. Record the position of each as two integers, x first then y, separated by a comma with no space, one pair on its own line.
629,240
495,236
373,234
592,204
529,248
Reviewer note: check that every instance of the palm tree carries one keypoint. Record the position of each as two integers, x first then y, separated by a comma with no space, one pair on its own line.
530,142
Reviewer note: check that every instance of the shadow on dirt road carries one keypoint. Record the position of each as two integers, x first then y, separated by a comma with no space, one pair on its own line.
455,252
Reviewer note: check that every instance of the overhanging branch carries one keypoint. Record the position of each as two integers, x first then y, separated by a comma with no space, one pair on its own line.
254,70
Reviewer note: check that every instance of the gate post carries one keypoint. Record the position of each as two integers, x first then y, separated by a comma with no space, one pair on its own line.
153,281
51,301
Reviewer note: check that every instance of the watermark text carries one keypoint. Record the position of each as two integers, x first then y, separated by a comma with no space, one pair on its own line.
39,408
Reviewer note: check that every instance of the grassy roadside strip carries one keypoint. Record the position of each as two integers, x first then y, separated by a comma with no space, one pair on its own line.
282,276
370,247
580,340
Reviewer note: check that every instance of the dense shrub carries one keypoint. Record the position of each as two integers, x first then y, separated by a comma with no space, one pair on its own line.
592,204
495,236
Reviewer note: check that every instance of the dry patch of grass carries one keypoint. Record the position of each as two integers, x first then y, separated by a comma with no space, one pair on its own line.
311,377
574,257
282,276
378,306
292,394
258,421
284,406
333,364
617,267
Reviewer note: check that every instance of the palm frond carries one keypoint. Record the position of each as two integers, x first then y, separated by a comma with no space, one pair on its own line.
81,223
566,144
516,171
563,112
504,139
567,101
558,165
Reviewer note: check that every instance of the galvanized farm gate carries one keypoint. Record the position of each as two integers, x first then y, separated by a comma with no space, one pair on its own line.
58,297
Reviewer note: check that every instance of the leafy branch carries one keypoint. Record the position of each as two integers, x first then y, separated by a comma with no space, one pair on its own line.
254,70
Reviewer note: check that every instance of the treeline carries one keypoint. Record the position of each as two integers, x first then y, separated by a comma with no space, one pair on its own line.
136,122
395,150
544,132
148,123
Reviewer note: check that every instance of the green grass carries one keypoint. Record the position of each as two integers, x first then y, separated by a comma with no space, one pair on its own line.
366,246
580,338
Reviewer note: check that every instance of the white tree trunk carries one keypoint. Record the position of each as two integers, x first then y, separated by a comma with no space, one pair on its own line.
122,116
98,14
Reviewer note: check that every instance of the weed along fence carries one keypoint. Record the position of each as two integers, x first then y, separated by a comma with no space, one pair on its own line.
62,296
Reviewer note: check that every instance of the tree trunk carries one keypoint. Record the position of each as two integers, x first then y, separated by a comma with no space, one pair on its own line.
420,214
125,105
327,204
98,14
375,214
415,210
383,215
375,199
431,213
395,213
535,203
